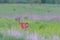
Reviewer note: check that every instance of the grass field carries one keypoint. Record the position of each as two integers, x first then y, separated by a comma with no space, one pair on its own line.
41,27
28,8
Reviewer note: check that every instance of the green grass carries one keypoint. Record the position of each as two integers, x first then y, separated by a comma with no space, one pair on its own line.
13,38
2,37
41,27
12,9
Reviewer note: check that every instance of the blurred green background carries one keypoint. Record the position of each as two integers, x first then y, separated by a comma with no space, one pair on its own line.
41,27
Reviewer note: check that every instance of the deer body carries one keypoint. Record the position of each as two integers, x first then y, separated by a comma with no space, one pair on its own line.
22,24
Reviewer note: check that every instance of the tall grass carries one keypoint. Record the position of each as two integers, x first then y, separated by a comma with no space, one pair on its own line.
48,28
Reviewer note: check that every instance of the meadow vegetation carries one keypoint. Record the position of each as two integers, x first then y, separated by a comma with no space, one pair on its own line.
41,27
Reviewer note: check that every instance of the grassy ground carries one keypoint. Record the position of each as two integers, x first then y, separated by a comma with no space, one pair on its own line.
28,8
41,27
38,26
